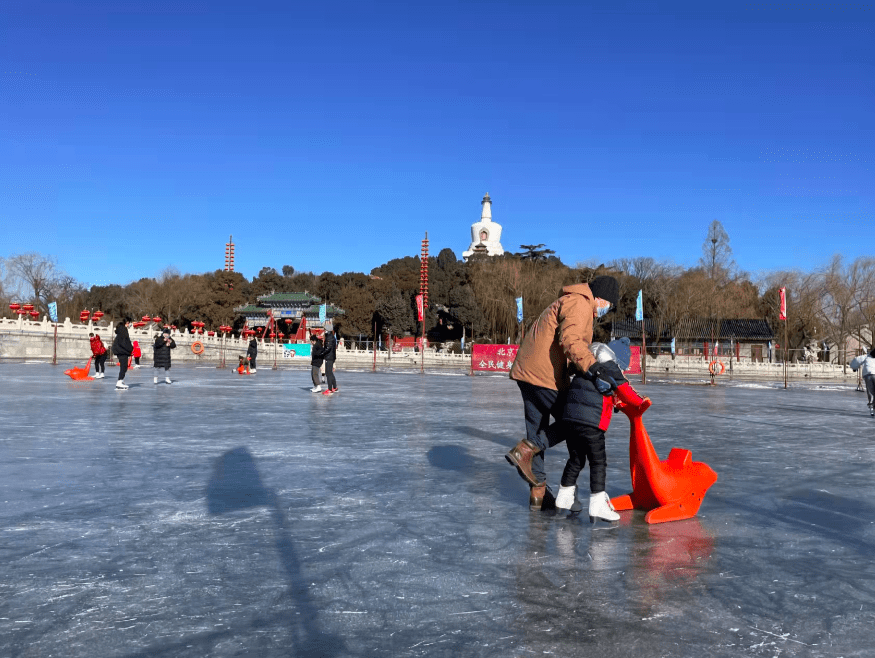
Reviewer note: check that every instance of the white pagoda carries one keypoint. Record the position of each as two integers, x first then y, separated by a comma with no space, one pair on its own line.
485,234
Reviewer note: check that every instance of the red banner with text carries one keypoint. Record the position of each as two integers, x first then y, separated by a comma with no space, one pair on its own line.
493,358
635,362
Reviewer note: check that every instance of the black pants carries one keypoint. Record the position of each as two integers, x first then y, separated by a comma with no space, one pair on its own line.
329,375
869,382
123,365
252,362
585,441
539,404
99,362
137,360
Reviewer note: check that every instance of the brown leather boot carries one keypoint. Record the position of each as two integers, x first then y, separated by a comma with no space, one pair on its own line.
536,497
521,457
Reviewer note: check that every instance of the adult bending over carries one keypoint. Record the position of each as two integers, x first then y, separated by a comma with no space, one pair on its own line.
562,334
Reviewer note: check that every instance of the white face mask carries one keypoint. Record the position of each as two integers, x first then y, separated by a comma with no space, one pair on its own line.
602,307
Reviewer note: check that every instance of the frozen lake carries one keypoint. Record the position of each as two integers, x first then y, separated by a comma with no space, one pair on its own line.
232,516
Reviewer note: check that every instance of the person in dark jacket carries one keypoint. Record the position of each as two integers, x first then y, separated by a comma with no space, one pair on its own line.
317,357
252,354
98,350
122,348
586,416
330,356
161,359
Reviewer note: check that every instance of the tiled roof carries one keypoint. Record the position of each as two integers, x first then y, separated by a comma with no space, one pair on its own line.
698,329
279,297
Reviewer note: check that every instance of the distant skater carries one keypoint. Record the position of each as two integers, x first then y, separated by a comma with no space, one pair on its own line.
866,362
122,348
252,354
161,359
330,352
136,353
317,357
98,350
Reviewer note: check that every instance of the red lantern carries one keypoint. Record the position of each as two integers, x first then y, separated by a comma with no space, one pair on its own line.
15,307
28,307
146,318
98,314
173,327
34,314
156,319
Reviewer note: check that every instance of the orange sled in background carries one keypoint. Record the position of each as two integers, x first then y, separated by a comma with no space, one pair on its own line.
669,490
80,374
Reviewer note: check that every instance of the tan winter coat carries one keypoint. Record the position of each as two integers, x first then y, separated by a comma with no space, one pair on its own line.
563,333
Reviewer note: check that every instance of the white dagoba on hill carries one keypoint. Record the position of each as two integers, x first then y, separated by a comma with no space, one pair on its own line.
485,234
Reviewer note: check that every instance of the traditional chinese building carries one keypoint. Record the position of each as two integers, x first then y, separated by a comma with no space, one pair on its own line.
287,306
485,234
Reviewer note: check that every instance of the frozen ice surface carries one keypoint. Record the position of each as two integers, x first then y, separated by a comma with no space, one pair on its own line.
229,516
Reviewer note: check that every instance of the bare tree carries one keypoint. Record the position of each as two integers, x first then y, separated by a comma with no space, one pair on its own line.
717,254
36,276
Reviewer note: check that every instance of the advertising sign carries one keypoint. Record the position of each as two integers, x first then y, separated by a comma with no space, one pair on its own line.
53,311
493,358
296,349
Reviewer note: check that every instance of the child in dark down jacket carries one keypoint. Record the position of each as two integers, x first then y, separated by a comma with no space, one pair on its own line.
163,344
317,356
586,417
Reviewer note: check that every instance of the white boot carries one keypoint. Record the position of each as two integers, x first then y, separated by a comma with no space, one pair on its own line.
565,497
156,379
120,384
600,508
167,380
316,389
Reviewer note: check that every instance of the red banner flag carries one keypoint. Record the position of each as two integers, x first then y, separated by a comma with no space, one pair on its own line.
783,315
419,307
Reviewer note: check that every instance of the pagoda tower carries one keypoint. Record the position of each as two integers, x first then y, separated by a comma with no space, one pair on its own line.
485,234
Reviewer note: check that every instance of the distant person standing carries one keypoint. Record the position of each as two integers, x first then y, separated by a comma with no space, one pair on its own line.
161,359
330,352
866,364
317,357
98,351
137,353
252,354
122,348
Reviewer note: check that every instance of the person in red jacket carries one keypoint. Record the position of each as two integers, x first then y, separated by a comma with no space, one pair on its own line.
98,350
137,354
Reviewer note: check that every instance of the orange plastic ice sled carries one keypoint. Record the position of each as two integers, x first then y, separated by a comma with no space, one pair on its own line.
669,490
80,374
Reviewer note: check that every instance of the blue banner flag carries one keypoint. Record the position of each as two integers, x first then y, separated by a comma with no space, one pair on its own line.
519,309
53,311
672,345
323,312
639,307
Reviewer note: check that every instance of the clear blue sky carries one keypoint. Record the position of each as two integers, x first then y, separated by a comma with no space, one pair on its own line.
331,136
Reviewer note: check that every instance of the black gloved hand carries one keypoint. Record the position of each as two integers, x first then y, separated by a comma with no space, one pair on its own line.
603,381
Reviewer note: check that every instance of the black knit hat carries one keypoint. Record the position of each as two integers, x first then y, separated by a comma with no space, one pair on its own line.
607,288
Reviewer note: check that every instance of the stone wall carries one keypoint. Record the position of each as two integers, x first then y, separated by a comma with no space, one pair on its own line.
24,339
